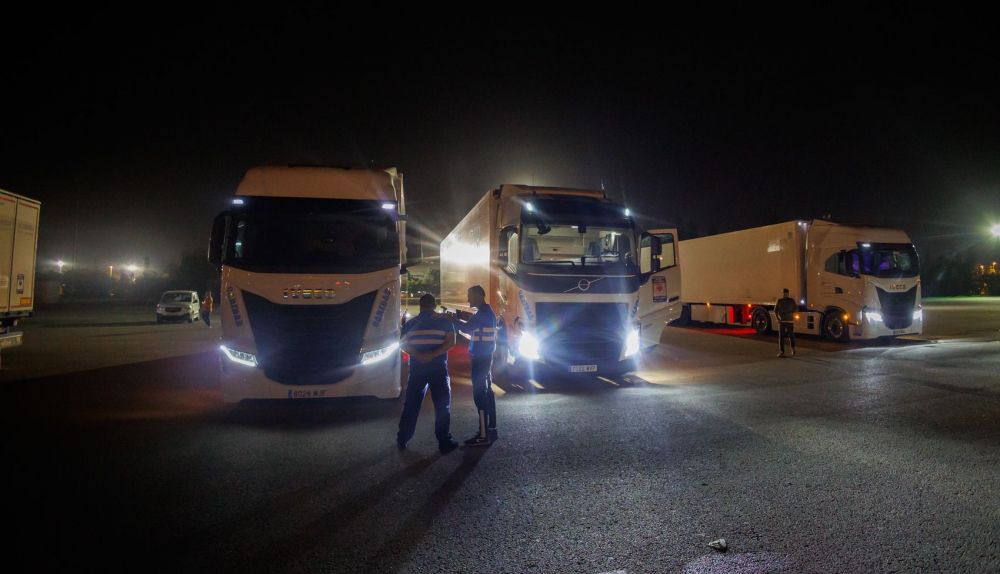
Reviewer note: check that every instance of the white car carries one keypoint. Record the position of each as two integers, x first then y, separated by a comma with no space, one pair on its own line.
178,305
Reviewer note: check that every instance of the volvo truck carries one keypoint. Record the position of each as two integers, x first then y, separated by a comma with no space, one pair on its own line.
18,247
310,290
850,282
577,285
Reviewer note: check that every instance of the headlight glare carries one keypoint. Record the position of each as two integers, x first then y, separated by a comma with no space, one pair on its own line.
241,357
873,316
378,354
632,342
528,346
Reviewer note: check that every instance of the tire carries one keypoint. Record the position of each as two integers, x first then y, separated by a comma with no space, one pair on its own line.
834,327
761,321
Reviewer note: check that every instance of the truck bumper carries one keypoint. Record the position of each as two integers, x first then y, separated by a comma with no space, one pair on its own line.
241,382
8,340
875,329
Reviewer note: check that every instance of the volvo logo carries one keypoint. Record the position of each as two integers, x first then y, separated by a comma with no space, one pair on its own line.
583,285
297,292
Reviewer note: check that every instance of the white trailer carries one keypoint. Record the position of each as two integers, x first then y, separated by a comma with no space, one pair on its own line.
19,218
850,282
311,260
576,285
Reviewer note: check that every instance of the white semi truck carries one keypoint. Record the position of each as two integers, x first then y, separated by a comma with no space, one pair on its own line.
850,282
576,285
18,247
311,260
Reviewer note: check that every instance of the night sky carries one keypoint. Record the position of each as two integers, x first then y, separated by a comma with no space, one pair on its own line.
133,136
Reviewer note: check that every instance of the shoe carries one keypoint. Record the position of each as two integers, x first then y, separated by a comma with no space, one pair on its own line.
401,445
781,355
492,435
478,440
793,351
446,447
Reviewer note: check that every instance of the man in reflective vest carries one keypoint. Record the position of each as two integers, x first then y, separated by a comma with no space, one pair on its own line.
426,338
785,309
481,329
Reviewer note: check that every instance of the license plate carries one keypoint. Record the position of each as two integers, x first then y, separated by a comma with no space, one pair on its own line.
583,369
898,331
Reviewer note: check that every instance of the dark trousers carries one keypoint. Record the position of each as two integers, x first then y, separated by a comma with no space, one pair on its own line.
786,330
482,392
421,377
206,316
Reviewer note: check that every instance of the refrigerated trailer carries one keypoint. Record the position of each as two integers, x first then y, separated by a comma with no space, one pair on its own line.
19,218
850,282
576,284
311,260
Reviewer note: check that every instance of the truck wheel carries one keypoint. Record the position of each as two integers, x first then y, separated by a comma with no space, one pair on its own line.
834,327
761,321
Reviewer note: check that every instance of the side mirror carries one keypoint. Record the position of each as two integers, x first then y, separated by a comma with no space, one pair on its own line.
217,241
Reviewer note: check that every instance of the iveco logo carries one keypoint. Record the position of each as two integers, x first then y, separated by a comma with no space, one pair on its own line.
583,285
897,286
297,292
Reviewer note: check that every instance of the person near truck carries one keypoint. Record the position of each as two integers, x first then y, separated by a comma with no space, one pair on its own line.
785,309
426,338
481,329
206,308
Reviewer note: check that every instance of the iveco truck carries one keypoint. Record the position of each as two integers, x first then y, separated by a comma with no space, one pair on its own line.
311,260
850,282
576,285
18,246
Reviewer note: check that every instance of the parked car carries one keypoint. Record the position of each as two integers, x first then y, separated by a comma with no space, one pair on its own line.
178,305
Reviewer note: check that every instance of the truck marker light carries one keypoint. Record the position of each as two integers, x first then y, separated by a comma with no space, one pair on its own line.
632,342
378,354
241,357
238,201
627,212
918,315
847,317
388,206
529,207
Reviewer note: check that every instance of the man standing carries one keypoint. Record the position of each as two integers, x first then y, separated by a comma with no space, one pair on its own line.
481,329
206,308
785,309
426,338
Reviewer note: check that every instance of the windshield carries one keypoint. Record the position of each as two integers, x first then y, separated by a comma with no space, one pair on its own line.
176,297
314,236
575,245
885,260
574,232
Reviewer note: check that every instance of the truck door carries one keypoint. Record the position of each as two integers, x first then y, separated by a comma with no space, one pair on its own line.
660,291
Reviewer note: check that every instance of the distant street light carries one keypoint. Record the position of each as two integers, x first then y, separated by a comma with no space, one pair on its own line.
995,230
60,264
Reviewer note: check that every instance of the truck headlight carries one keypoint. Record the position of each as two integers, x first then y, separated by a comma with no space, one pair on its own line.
873,316
241,357
528,346
918,315
378,354
632,342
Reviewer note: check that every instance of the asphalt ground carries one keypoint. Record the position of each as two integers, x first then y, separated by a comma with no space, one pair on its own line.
858,458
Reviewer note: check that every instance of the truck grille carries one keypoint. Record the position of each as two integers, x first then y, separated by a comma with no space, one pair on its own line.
308,344
897,308
581,332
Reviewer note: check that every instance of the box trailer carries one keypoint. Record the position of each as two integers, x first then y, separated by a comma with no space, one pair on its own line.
577,285
850,282
19,217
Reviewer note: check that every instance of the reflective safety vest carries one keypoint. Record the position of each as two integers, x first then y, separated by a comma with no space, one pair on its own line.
427,331
482,330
